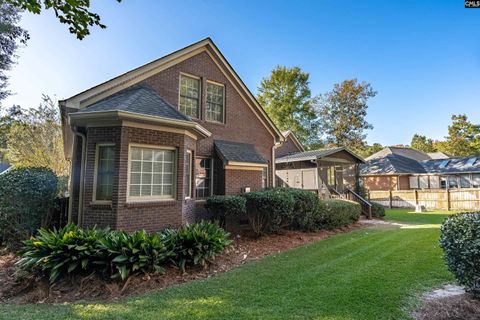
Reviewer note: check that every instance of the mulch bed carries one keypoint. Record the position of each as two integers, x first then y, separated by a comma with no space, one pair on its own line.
460,307
245,248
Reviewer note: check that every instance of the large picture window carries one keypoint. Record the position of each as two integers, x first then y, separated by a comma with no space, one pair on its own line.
203,178
152,173
104,170
189,103
215,102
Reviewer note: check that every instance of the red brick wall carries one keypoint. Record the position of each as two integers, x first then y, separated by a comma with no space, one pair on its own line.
383,183
241,124
287,147
237,180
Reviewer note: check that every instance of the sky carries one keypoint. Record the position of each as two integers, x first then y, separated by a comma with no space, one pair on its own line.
422,57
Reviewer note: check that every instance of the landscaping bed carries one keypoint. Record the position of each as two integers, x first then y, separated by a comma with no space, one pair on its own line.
245,247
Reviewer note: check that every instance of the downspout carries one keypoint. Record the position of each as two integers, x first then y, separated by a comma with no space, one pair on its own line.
274,165
82,175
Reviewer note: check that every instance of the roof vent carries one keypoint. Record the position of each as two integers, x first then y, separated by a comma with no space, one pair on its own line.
470,162
444,163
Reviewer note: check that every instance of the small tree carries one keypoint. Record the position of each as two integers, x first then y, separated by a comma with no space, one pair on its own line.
342,112
26,199
35,139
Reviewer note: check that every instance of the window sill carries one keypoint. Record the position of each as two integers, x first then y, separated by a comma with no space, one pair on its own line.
151,203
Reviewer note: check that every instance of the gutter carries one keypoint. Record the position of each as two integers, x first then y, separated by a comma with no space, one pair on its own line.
82,178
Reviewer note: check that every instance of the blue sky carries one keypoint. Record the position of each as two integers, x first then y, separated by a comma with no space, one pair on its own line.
423,57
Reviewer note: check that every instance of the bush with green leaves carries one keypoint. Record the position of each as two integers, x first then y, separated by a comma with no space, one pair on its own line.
27,197
305,213
269,210
337,213
460,241
116,254
195,244
55,253
222,207
378,210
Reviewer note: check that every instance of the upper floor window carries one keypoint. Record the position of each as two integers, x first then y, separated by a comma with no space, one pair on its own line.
104,170
215,102
189,103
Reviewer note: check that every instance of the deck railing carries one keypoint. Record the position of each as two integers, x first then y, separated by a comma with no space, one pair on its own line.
365,204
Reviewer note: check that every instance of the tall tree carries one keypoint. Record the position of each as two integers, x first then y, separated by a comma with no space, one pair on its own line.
287,99
368,150
463,137
422,143
342,112
35,139
74,13
11,36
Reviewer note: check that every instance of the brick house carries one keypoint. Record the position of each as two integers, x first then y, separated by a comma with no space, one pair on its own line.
402,168
149,146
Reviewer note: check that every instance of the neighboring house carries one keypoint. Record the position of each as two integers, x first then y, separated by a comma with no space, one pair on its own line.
290,145
4,168
148,146
397,168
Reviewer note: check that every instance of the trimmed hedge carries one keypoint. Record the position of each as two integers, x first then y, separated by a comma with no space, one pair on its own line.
117,254
378,210
222,206
269,210
27,197
338,213
460,241
305,209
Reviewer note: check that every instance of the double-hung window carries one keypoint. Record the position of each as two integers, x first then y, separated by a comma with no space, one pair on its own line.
189,101
203,177
151,173
104,171
215,102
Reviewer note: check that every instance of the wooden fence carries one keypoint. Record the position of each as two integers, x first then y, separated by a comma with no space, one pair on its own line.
451,199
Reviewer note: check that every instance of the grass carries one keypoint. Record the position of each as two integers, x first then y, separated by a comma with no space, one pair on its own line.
365,274
409,216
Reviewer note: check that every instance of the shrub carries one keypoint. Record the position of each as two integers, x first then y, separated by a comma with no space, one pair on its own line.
305,213
378,210
195,244
61,252
122,254
334,214
26,198
460,241
72,250
224,206
269,210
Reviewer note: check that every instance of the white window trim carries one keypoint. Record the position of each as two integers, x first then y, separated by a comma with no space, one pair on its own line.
200,92
211,179
95,171
192,175
136,199
224,100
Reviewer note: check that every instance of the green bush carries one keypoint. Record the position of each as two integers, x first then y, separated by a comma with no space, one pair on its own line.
222,207
60,252
305,213
378,210
26,199
117,254
460,241
195,244
269,210
337,213
121,253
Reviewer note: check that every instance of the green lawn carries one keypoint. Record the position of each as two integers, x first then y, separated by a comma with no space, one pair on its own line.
365,274
409,216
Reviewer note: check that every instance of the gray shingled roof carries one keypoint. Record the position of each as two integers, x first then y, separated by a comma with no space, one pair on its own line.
455,165
312,155
391,164
238,152
396,164
139,99
400,151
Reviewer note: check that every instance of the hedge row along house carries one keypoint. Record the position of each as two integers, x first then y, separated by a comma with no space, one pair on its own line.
399,168
149,146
